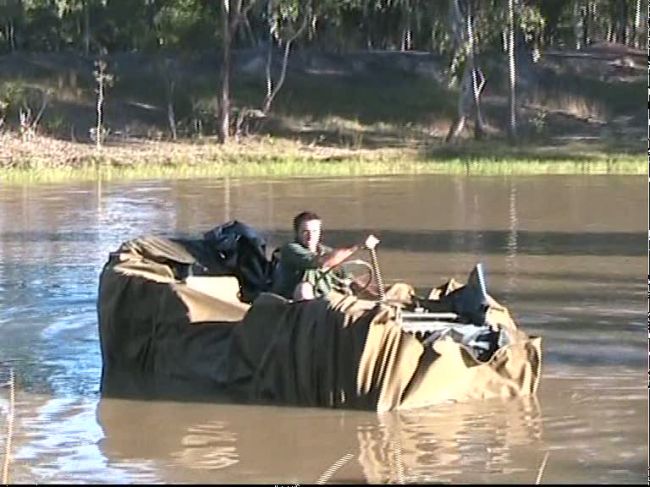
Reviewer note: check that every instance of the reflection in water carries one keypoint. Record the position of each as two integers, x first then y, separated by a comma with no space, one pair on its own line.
55,441
62,439
205,442
437,445
176,435
207,447
511,245
226,199
429,445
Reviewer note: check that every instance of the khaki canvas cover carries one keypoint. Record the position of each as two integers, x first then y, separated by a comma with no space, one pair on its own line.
161,335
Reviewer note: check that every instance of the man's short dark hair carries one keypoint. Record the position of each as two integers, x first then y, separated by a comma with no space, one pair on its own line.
305,216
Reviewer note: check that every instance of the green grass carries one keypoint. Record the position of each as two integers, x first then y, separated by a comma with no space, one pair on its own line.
296,166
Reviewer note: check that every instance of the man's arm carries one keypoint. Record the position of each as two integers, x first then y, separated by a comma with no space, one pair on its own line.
302,258
336,256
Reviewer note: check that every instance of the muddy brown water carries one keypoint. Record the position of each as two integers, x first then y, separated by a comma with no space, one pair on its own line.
566,254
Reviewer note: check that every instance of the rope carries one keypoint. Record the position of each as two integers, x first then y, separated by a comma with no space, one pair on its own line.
541,470
327,474
380,280
397,453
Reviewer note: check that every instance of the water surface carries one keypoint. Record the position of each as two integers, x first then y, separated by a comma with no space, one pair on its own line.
565,253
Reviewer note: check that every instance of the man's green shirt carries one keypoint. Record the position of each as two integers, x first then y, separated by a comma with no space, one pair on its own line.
299,264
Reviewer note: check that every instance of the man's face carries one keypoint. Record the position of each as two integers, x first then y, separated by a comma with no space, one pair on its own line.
309,234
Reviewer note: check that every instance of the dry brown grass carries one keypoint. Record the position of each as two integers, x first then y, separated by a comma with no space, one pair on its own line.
43,159
44,152
579,107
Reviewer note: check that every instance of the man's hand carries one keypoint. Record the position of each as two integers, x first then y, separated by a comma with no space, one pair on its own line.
336,256
371,242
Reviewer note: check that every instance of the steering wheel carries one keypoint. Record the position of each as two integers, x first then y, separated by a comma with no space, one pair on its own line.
349,272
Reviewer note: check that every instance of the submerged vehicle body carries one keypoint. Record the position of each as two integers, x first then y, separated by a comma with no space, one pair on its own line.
190,319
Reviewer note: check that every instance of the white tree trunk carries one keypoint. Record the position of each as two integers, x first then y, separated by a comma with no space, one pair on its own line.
100,108
224,105
512,129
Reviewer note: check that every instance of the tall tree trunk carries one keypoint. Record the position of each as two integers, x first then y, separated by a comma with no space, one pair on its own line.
473,81
272,91
476,83
577,24
636,26
622,21
406,40
151,11
586,24
224,105
167,70
512,128
12,35
100,75
268,69
592,15
249,32
171,116
86,9
231,13
456,128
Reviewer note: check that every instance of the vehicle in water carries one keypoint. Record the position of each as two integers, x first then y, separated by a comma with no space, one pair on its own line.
195,319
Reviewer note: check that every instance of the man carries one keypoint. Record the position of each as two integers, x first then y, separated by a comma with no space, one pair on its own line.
305,262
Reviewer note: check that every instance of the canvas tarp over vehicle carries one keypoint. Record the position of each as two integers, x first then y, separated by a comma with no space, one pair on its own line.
162,335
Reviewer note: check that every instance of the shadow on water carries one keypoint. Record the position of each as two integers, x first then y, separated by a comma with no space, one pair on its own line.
578,295
41,236
440,241
585,357
568,275
496,241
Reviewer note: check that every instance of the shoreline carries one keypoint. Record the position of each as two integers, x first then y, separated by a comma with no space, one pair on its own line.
43,159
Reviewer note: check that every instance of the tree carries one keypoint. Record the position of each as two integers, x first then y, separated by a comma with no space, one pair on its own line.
181,25
637,26
473,80
86,28
104,80
232,13
288,20
12,11
512,127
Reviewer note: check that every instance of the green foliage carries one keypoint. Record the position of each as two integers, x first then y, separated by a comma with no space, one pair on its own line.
14,95
285,17
185,25
128,25
531,22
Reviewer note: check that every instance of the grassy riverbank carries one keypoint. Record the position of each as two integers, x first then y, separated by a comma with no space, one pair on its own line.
48,160
382,119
